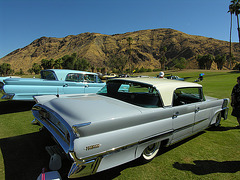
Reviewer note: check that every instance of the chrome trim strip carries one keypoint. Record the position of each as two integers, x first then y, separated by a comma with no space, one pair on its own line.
184,127
53,129
224,113
76,126
7,96
190,125
89,165
81,125
200,121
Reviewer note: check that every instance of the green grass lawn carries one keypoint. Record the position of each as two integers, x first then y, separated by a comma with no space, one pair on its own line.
211,154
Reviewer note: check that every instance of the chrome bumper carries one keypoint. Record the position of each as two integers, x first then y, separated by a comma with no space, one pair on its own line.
224,113
8,96
83,167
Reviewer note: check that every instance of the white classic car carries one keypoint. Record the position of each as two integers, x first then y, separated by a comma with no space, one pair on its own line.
129,118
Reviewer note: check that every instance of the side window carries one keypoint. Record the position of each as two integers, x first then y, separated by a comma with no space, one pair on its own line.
48,75
90,78
187,95
74,77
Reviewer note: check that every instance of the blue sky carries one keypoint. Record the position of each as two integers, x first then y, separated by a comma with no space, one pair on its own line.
23,21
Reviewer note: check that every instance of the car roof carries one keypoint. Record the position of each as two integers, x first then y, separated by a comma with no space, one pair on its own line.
166,87
62,73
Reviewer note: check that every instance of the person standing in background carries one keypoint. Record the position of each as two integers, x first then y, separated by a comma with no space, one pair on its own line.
235,101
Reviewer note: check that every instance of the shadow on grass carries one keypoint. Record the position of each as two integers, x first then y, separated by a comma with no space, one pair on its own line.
7,107
25,156
221,128
166,149
234,72
203,167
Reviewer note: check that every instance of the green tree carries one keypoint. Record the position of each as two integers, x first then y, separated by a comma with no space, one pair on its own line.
44,63
201,63
205,62
5,69
21,71
47,64
103,70
81,64
180,63
117,62
58,63
36,68
30,70
209,60
220,61
69,61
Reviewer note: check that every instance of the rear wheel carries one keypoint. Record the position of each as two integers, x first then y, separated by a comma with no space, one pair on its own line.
150,152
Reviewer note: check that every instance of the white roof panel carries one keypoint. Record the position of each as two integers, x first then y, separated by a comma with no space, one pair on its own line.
166,87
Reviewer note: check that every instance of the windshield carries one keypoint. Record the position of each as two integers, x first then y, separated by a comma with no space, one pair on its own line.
132,92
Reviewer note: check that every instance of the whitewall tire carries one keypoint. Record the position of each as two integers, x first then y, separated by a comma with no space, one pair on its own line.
150,152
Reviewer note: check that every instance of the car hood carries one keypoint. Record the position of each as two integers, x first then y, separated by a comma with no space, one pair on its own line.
91,108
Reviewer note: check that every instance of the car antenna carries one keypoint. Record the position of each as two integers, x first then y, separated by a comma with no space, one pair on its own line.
57,93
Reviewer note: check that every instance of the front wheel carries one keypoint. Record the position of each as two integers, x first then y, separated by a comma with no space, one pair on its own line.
150,152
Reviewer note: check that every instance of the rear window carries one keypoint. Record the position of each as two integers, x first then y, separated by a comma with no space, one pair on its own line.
49,75
134,93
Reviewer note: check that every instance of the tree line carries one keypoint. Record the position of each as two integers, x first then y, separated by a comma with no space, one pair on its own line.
205,61
119,63
65,62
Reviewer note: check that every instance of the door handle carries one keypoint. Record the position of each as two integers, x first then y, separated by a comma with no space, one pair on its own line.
65,85
175,115
197,109
86,86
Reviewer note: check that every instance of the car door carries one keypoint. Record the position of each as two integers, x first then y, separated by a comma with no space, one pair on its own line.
183,121
202,116
190,113
74,87
92,83
74,84
93,87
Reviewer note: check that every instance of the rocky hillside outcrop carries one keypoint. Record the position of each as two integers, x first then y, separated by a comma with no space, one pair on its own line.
96,48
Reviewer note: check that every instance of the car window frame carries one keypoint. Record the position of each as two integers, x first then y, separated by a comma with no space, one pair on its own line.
106,93
200,92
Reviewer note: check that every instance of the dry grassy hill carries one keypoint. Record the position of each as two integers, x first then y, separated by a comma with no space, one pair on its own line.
96,48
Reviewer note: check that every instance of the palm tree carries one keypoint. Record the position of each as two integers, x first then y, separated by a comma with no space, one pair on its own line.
234,8
163,57
237,12
130,39
231,11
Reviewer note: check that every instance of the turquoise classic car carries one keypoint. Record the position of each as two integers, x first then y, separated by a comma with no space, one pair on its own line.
52,81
